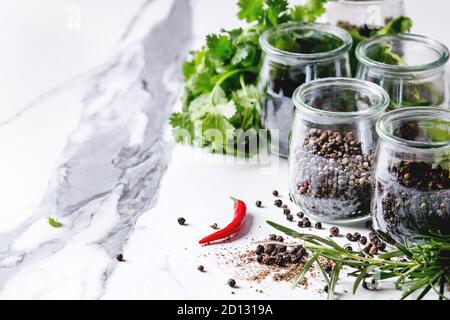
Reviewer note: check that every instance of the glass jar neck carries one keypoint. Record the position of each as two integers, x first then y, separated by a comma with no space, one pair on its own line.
318,30
341,100
427,55
417,130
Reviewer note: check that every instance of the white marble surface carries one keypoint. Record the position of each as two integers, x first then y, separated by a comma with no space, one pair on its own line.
84,136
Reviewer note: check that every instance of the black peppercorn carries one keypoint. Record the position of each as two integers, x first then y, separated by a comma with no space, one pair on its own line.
348,248
278,203
181,221
301,224
258,204
287,211
349,237
290,217
334,231
363,240
201,268
119,257
272,237
307,223
357,236
280,239
275,193
259,258
318,225
284,206
325,288
381,245
300,215
231,283
259,249
328,268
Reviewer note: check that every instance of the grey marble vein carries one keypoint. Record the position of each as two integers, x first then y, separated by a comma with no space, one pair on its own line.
117,154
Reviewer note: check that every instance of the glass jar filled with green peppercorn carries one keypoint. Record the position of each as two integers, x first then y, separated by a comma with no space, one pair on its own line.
332,147
411,174
410,67
294,54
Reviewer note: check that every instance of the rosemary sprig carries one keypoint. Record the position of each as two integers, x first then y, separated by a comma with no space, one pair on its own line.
416,269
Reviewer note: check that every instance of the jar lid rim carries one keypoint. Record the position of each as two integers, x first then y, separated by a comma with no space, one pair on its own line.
322,27
439,47
344,82
418,112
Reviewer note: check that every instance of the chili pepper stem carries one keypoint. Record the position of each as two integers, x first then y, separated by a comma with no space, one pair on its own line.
234,199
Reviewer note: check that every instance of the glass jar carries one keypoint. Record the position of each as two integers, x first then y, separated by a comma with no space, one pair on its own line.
332,145
296,53
410,67
365,15
412,181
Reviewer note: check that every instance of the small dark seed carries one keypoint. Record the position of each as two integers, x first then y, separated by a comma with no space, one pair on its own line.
300,215
201,268
369,225
231,283
301,224
287,211
349,237
290,217
280,239
119,257
278,203
328,268
259,258
275,193
307,224
334,231
214,226
363,240
181,221
284,206
318,225
348,248
259,249
258,204
381,245
272,237
325,288
357,236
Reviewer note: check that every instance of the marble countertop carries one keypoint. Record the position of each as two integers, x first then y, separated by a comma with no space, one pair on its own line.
85,139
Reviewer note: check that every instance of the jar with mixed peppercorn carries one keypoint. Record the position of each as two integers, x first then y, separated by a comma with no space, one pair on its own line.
412,177
332,145
296,53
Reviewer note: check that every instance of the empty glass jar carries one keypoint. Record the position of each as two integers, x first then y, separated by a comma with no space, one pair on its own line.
410,67
412,180
296,53
332,147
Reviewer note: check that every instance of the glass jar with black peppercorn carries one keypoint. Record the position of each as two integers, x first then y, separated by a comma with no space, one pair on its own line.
412,177
295,53
332,145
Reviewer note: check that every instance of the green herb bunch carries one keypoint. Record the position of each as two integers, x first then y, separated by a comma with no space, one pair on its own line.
416,269
220,79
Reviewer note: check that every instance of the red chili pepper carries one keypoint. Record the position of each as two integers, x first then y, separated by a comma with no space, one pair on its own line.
240,213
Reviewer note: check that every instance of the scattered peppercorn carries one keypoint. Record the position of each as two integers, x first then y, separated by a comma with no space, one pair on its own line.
272,237
290,217
325,288
231,283
363,240
328,268
307,223
278,203
300,215
280,239
318,225
181,221
214,226
287,211
348,248
373,250
301,224
334,231
381,245
258,204
357,236
284,206
275,193
349,237
259,258
201,268
119,257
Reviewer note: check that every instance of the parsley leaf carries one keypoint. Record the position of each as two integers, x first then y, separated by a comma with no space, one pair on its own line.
54,223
